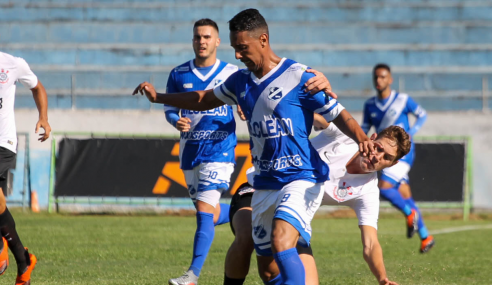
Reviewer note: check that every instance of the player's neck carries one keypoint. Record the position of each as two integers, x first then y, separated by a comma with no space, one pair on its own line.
270,62
205,62
384,94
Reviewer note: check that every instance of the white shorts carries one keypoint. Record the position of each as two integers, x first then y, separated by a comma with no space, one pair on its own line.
396,173
366,207
207,181
296,203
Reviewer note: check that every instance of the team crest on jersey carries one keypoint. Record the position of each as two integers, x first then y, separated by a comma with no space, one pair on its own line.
275,93
259,232
4,76
217,82
374,115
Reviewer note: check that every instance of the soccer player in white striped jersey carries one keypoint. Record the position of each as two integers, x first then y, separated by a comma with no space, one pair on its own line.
279,111
207,143
13,70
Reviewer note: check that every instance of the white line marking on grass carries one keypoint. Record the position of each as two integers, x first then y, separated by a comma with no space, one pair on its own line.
460,229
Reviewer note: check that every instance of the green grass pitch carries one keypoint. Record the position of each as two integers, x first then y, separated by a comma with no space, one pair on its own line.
92,249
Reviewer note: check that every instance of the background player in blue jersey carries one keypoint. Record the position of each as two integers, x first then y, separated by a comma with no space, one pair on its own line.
279,111
392,108
207,141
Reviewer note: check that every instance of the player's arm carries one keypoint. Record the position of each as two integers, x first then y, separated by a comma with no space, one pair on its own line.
349,126
41,100
319,122
194,100
334,112
373,254
182,124
319,83
419,113
366,120
29,80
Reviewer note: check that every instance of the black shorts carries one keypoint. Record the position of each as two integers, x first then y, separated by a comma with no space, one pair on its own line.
241,199
7,161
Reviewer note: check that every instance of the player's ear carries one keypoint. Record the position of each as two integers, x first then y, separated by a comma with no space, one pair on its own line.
217,43
374,136
264,39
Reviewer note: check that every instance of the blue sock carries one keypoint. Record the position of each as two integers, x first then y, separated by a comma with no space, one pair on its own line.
275,281
422,229
204,236
291,267
224,214
395,198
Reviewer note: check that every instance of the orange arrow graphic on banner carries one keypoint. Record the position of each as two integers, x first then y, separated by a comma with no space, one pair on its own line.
172,172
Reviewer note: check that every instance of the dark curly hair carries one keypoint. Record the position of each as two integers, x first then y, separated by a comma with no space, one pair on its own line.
248,20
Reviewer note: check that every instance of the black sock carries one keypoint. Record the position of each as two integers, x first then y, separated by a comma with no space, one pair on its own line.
7,229
230,281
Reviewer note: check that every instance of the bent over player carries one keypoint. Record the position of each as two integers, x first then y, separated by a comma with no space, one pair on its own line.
279,113
353,182
13,70
392,108
207,143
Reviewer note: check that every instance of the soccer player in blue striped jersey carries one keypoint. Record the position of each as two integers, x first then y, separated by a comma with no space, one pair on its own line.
392,108
279,111
207,141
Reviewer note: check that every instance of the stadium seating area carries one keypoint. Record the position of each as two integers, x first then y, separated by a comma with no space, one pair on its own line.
91,54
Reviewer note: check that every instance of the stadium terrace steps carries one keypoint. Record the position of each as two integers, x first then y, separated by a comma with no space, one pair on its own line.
281,32
120,82
222,11
173,55
438,49
389,11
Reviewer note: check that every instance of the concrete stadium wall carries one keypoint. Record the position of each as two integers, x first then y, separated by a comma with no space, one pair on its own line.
474,124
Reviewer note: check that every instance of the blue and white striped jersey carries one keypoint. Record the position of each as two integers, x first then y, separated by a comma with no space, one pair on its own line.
212,136
280,117
394,111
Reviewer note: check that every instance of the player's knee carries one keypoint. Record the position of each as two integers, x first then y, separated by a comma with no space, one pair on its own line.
267,269
284,236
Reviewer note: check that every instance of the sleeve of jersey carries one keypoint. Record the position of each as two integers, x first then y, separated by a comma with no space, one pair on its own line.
319,103
26,76
172,113
366,120
419,112
225,92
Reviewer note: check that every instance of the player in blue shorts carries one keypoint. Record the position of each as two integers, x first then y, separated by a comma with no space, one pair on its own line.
207,141
279,111
392,108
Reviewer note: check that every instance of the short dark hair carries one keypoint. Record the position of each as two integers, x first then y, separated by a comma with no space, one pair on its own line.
248,20
206,22
381,65
400,137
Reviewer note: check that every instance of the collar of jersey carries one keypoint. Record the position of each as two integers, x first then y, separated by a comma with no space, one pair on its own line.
199,74
258,81
390,100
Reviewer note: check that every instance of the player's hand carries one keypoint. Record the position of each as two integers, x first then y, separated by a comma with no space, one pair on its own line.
385,281
147,89
319,83
241,113
43,123
366,147
183,124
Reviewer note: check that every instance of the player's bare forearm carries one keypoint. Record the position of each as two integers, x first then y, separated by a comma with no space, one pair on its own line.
373,254
194,100
349,126
41,100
